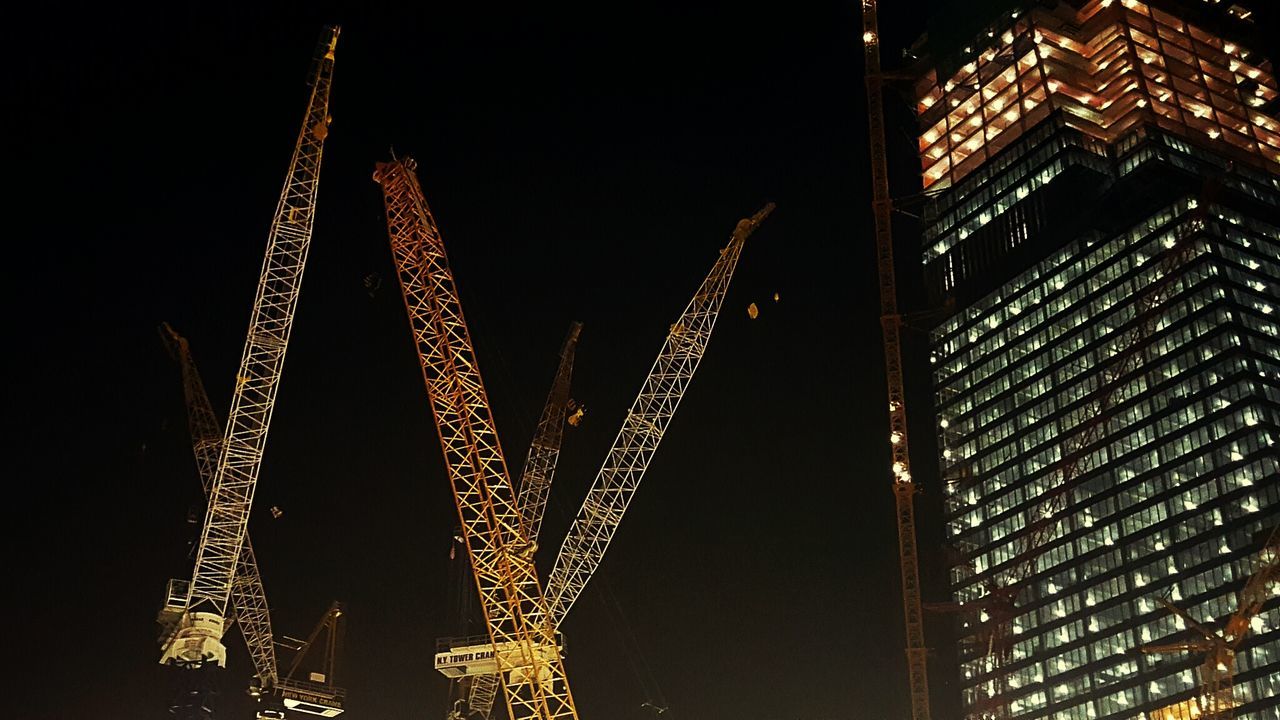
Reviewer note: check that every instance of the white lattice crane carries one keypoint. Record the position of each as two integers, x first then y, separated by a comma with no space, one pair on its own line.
619,477
197,610
248,597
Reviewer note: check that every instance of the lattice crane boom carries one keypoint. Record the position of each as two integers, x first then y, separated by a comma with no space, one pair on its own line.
248,596
520,629
535,486
544,451
904,488
1216,697
198,638
616,483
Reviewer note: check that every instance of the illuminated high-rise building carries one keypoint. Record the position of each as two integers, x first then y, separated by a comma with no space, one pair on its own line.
1105,218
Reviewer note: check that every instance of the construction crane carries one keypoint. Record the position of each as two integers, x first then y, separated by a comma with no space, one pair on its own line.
198,609
646,421
522,637
904,487
317,694
248,597
633,448
1216,697
535,485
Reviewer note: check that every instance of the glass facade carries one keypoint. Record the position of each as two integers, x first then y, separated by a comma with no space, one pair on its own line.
1145,348
1182,482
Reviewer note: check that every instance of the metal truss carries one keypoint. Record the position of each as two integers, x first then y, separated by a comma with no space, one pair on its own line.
535,486
596,522
904,487
540,463
501,554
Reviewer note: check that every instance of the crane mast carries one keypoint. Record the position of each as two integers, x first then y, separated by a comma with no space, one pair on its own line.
611,492
904,487
633,448
248,597
198,637
520,629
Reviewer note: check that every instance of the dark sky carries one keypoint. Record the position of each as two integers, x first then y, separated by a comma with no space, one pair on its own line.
584,164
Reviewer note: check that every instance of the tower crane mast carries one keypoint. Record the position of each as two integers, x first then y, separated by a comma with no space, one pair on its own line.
646,421
501,553
904,487
198,636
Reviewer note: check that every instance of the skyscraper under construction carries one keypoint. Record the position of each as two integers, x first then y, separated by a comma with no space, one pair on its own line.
1104,213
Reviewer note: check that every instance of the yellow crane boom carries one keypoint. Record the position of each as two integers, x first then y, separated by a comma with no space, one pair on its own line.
520,629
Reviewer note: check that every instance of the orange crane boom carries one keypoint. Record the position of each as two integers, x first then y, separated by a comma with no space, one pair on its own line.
520,629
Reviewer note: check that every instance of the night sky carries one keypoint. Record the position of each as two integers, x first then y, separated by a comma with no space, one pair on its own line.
583,164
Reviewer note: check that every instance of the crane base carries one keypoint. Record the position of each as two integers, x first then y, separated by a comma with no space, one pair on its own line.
196,642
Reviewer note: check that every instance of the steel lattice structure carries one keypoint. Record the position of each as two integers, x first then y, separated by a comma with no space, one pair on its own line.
500,551
596,522
904,487
482,694
231,496
540,463
535,485
248,597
